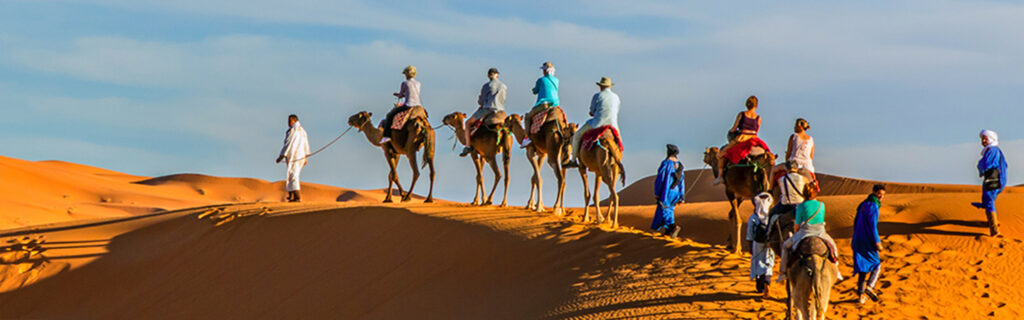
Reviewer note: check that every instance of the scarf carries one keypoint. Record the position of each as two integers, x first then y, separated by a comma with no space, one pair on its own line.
993,140
873,198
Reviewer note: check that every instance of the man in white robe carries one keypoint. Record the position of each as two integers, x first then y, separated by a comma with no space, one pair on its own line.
294,153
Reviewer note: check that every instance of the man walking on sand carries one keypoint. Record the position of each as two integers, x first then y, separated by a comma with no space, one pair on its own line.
866,243
294,153
992,168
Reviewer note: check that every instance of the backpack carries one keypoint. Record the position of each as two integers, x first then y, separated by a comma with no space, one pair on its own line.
761,232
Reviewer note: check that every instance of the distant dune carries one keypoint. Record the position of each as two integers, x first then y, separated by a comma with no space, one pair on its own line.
54,191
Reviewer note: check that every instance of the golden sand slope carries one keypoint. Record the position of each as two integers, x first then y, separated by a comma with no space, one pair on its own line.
331,260
358,260
42,192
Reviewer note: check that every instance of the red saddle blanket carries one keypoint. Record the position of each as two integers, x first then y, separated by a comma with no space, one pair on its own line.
540,118
741,150
398,122
590,137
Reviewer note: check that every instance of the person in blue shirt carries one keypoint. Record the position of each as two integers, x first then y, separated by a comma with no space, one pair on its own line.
866,243
669,190
546,89
991,167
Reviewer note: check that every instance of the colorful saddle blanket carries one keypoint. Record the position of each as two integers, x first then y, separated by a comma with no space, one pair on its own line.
741,150
590,137
540,118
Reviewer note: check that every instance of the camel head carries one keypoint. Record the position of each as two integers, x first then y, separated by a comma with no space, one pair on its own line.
711,156
359,119
512,120
455,119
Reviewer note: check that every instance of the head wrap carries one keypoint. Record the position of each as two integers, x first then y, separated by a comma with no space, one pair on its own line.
671,150
762,204
993,139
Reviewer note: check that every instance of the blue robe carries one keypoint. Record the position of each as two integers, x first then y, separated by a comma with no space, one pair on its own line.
865,236
667,196
993,158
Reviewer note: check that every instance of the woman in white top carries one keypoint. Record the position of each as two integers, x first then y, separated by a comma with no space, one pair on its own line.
801,147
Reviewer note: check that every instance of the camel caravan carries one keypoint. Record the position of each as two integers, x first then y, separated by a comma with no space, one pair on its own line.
746,167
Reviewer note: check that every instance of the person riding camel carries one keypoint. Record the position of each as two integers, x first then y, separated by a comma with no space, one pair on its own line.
491,101
809,222
546,89
742,137
604,112
408,95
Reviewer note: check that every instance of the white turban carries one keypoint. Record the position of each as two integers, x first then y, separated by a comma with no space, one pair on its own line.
993,139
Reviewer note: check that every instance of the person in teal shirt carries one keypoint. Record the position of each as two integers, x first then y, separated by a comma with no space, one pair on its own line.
809,222
546,89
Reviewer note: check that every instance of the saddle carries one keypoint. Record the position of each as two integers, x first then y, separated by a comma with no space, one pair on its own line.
591,137
815,246
544,116
412,113
493,121
751,147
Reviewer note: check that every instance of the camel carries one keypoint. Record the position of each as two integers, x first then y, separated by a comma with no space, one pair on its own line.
811,278
487,142
741,181
554,139
416,134
605,160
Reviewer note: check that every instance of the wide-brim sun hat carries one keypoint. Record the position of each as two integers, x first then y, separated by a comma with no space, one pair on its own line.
605,82
546,64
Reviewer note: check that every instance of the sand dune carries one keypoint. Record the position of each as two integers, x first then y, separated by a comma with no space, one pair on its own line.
55,191
330,259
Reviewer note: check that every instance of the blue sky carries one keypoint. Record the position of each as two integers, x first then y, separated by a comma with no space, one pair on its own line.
893,90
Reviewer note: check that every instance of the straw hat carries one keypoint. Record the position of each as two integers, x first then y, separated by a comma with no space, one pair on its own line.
605,82
546,65
410,70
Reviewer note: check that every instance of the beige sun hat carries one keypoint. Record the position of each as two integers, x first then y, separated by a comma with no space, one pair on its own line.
410,70
605,82
547,64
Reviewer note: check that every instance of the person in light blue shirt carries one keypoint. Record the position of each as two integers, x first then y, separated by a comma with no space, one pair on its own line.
546,89
604,111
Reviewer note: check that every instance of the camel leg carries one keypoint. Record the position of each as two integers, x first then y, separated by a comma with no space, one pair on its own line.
615,199
597,197
586,194
556,167
733,244
430,192
505,158
530,156
540,182
415,175
478,192
497,178
392,177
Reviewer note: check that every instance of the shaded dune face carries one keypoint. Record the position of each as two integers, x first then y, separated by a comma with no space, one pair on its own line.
342,263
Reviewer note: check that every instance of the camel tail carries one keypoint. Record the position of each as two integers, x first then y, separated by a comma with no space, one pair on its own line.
622,170
428,144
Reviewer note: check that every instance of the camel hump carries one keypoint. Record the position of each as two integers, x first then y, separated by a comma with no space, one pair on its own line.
813,246
495,118
416,113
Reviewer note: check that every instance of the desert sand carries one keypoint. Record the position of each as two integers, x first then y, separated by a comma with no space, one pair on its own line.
83,242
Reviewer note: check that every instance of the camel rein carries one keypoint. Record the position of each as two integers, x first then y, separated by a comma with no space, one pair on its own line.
325,146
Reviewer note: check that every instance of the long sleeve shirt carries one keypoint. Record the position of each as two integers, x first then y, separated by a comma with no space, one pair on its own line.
993,159
668,186
546,89
410,91
296,144
492,95
604,107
